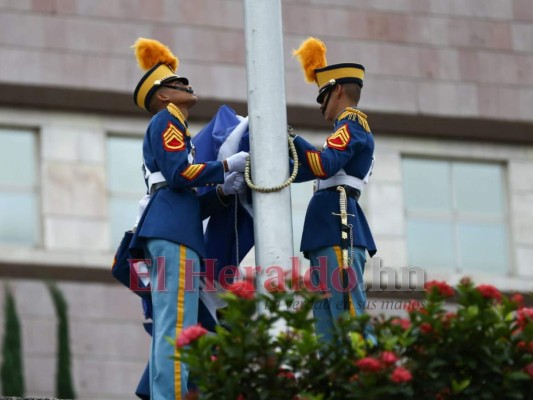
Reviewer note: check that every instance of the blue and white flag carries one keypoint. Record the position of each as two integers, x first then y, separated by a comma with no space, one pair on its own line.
229,234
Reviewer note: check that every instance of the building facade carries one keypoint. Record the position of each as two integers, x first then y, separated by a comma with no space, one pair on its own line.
448,92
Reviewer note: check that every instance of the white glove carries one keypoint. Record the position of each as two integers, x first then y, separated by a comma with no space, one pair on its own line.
237,161
234,183
140,210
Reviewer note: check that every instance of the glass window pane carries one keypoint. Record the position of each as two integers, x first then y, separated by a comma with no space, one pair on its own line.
483,247
426,185
124,160
17,158
478,188
123,212
430,244
18,216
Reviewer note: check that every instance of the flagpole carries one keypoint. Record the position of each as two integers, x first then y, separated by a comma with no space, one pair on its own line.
268,136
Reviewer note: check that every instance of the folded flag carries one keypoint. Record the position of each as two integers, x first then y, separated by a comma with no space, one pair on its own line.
229,234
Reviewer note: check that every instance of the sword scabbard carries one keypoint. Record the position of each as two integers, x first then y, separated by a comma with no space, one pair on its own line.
344,226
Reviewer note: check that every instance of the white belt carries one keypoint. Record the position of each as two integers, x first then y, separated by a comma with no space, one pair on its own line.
153,178
337,180
341,178
157,177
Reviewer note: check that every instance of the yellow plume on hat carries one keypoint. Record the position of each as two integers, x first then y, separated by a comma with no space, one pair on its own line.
150,52
312,55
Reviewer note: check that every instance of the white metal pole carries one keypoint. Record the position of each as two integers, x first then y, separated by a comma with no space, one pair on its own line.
268,135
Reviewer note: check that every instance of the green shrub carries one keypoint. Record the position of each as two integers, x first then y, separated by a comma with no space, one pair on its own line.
12,369
64,386
482,350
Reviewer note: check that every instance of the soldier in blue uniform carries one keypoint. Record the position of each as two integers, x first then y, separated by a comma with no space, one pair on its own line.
170,229
343,165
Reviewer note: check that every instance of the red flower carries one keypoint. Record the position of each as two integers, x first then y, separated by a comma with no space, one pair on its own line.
442,288
448,318
524,317
529,370
414,305
444,394
518,299
241,397
190,334
388,357
404,323
425,327
400,375
489,292
243,289
369,364
192,395
286,374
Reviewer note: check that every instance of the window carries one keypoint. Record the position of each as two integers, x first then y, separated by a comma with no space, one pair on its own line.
456,215
125,183
19,200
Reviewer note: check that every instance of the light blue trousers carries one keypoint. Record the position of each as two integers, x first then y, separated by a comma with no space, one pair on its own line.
175,307
325,263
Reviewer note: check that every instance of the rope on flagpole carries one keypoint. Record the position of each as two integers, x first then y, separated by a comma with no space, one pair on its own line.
236,227
285,184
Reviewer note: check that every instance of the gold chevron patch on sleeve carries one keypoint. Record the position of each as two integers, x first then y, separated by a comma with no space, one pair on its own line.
315,163
192,171
340,139
173,139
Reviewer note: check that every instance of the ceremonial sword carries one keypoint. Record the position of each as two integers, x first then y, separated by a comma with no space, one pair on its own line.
346,244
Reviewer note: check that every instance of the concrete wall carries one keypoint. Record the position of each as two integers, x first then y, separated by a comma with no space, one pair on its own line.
454,57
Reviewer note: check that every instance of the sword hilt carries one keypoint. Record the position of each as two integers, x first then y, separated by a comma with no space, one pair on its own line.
342,215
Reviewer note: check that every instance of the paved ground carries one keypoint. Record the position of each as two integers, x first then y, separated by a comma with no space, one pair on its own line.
25,398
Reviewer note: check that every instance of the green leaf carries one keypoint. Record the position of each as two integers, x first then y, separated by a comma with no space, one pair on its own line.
458,387
438,362
472,311
518,376
358,344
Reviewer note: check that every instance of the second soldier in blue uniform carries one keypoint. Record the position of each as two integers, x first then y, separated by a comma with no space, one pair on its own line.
344,164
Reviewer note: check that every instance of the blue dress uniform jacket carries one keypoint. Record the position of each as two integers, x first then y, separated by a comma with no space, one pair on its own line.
174,212
349,148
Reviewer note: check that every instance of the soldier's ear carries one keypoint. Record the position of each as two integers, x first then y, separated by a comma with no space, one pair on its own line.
338,90
161,95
